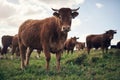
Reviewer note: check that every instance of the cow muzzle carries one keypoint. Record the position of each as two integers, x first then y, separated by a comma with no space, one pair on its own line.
111,37
65,28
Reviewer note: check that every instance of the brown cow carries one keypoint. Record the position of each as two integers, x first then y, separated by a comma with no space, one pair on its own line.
70,44
101,40
6,42
15,47
48,35
80,45
118,45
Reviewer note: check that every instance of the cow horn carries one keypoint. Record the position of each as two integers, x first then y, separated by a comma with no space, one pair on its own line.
115,31
75,9
55,9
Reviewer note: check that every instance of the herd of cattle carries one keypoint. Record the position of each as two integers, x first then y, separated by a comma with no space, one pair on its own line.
49,35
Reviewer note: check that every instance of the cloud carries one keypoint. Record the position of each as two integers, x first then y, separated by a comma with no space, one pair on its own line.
6,9
99,5
14,14
62,3
76,22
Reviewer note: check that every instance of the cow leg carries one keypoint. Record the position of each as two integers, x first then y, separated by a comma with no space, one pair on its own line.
102,50
4,51
22,55
13,51
48,57
67,51
17,52
28,53
106,50
72,51
88,50
38,53
58,57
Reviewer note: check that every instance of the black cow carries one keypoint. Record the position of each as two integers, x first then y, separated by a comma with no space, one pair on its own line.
101,40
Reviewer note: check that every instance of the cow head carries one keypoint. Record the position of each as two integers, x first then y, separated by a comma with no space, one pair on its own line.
65,15
111,33
74,39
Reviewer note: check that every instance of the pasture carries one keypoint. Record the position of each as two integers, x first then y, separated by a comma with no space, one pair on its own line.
76,66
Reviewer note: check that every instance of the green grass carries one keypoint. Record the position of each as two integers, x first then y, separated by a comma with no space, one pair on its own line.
77,66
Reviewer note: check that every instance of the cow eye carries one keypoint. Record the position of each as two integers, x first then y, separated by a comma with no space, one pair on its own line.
60,16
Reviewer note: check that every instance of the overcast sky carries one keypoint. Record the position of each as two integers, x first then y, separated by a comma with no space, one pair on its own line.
95,16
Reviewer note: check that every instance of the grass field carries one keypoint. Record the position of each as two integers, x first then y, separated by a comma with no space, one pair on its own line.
77,66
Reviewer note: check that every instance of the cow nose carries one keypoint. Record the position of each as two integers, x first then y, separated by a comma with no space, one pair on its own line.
66,28
111,37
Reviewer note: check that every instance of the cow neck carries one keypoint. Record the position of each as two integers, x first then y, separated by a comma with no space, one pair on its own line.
106,38
58,34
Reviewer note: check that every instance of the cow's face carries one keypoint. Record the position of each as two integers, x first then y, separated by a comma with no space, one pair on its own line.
65,15
74,40
111,33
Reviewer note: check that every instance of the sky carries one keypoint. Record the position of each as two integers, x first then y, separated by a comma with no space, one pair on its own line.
95,16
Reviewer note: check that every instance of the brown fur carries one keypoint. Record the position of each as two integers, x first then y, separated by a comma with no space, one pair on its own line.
48,35
101,40
80,45
70,44
15,47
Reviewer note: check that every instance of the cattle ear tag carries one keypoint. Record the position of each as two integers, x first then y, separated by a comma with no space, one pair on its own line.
56,14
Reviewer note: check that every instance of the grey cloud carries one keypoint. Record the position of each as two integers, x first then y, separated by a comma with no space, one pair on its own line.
6,10
13,15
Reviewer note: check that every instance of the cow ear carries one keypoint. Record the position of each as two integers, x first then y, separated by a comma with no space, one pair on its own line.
74,14
77,38
56,14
